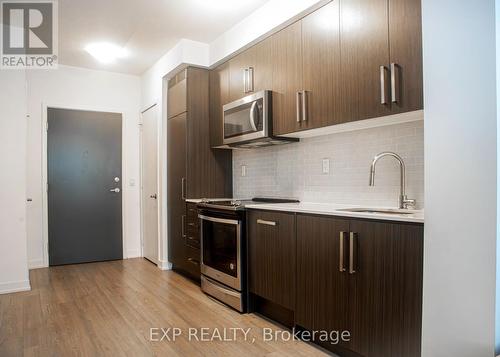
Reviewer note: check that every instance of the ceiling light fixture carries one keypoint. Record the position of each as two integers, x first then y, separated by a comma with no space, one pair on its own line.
106,52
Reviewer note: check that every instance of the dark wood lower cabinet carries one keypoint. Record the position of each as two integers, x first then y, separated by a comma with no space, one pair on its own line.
385,292
271,244
322,299
355,275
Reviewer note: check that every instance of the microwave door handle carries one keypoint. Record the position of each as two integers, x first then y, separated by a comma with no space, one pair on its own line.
252,116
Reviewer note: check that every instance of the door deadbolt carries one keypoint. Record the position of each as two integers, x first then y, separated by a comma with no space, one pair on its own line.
117,179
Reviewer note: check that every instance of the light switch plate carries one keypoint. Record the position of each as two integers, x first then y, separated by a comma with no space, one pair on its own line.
243,170
326,166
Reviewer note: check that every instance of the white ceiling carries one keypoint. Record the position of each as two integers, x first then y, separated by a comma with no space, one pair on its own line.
146,28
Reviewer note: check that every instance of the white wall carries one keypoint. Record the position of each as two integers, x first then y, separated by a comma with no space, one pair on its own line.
77,88
460,178
295,170
13,257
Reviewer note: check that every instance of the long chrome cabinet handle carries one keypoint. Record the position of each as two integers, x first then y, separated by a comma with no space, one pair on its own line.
266,223
183,188
183,229
245,79
304,105
394,82
299,112
352,252
341,252
250,80
383,99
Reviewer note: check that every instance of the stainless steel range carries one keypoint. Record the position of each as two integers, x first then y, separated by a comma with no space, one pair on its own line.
224,249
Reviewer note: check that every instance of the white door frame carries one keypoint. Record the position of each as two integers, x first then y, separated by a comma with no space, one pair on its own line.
158,177
45,216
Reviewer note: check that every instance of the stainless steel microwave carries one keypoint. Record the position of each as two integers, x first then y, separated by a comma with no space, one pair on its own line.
248,122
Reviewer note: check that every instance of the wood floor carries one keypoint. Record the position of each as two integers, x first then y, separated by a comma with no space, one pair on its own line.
108,309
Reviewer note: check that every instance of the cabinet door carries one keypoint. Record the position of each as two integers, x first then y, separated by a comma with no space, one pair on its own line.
176,166
321,66
219,95
287,78
177,99
262,65
237,66
322,290
405,34
271,243
386,289
364,48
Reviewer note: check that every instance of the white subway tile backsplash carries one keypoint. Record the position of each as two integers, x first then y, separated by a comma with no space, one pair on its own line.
295,170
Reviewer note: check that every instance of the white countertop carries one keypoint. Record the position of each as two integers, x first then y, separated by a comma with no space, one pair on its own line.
331,209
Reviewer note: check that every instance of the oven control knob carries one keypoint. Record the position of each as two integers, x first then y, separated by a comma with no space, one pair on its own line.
231,266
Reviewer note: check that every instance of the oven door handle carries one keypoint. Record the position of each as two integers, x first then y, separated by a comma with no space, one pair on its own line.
219,220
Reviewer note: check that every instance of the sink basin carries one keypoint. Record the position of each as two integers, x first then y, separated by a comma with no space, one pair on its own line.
379,210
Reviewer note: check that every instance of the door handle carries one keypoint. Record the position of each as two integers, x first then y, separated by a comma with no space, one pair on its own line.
383,89
298,94
304,105
183,188
395,72
153,196
266,223
341,252
115,190
352,252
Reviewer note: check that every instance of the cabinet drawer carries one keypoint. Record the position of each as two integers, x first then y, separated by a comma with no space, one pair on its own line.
193,261
193,239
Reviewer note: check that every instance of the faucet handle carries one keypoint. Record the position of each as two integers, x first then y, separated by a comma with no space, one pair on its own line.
407,202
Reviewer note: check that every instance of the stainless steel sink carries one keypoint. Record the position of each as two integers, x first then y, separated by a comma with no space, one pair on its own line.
379,210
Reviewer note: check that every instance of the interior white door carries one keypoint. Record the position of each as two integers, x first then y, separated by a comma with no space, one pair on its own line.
150,184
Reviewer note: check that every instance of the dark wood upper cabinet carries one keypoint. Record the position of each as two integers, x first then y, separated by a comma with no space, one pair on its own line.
364,35
287,79
177,100
251,71
386,289
271,244
405,34
348,60
322,290
321,67
238,74
219,95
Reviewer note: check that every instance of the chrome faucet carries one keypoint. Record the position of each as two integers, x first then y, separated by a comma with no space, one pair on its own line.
404,201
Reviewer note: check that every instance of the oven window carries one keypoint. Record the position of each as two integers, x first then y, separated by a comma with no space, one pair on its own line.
220,247
237,121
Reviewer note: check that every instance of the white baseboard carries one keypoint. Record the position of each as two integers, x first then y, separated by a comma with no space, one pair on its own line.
133,253
164,265
36,264
14,286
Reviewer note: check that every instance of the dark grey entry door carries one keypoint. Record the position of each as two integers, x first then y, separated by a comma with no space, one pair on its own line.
84,167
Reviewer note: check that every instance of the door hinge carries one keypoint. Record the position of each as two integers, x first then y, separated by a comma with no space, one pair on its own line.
46,126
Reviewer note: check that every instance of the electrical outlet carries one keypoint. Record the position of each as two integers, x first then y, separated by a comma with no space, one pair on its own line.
326,166
243,170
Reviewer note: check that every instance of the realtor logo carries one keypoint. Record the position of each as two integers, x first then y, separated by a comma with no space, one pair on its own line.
29,34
